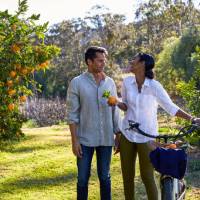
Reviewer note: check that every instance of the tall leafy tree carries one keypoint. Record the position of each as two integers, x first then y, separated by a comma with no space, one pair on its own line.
160,19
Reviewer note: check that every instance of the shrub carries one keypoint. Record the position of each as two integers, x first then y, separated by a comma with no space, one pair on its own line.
190,91
45,112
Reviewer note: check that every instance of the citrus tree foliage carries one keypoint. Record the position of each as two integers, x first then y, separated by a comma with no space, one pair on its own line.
22,52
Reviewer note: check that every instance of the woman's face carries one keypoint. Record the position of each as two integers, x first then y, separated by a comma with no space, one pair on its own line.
136,65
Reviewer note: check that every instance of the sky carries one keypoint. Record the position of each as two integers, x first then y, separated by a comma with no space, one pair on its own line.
55,11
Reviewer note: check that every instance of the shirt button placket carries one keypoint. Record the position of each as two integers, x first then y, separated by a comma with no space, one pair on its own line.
100,115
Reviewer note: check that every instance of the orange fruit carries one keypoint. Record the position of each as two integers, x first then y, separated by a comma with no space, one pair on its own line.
23,98
13,74
9,83
24,71
11,92
47,62
17,66
112,100
11,106
30,70
15,48
43,65
171,146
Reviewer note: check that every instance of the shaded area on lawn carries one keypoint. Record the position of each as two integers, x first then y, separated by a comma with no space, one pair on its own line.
43,182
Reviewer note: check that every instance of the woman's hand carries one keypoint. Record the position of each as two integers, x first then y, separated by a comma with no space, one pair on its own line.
122,106
196,121
117,142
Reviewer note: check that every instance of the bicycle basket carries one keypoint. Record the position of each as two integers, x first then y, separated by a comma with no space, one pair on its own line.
170,162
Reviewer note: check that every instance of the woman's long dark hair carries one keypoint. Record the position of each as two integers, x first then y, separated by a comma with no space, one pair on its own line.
149,64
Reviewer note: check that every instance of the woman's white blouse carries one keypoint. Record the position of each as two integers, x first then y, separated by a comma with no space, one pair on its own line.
143,106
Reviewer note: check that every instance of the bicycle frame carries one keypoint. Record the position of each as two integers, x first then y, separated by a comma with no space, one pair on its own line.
178,188
177,192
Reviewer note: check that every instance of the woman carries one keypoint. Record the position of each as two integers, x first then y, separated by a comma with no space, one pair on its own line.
141,95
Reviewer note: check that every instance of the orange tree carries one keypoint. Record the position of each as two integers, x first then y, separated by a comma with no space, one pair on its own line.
22,53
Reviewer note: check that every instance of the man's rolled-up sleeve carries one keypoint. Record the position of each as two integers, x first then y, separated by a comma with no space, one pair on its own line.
73,103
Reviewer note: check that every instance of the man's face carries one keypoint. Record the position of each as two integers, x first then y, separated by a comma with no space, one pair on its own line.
98,63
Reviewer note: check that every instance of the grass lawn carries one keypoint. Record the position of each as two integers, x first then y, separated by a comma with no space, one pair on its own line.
43,167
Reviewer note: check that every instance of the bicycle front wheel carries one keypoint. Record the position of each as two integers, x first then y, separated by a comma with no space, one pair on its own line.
167,189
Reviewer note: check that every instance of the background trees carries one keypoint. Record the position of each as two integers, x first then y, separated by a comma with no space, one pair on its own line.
168,29
155,23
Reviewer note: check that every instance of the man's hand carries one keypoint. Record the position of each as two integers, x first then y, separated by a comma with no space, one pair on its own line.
117,141
76,147
77,150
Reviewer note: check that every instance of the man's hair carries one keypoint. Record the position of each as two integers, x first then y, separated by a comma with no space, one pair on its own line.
91,52
149,64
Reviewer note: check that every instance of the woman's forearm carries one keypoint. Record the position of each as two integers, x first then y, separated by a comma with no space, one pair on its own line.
184,115
122,106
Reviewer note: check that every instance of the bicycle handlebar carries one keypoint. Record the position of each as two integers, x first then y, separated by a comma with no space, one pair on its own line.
186,130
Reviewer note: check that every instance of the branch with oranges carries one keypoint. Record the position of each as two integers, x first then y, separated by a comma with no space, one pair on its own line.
23,53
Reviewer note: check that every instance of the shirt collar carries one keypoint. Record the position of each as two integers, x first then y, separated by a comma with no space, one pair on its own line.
91,76
146,81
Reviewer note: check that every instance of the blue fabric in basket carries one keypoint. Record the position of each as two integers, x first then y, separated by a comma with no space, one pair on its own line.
171,162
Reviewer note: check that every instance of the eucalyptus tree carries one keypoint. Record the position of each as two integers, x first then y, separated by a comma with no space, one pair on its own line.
112,32
70,36
74,36
160,19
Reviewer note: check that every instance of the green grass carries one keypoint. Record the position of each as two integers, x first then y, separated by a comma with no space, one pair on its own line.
43,167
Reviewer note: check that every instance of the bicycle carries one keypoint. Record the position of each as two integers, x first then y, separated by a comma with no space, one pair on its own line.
173,186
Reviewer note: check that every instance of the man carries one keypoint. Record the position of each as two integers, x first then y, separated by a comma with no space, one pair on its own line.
92,122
